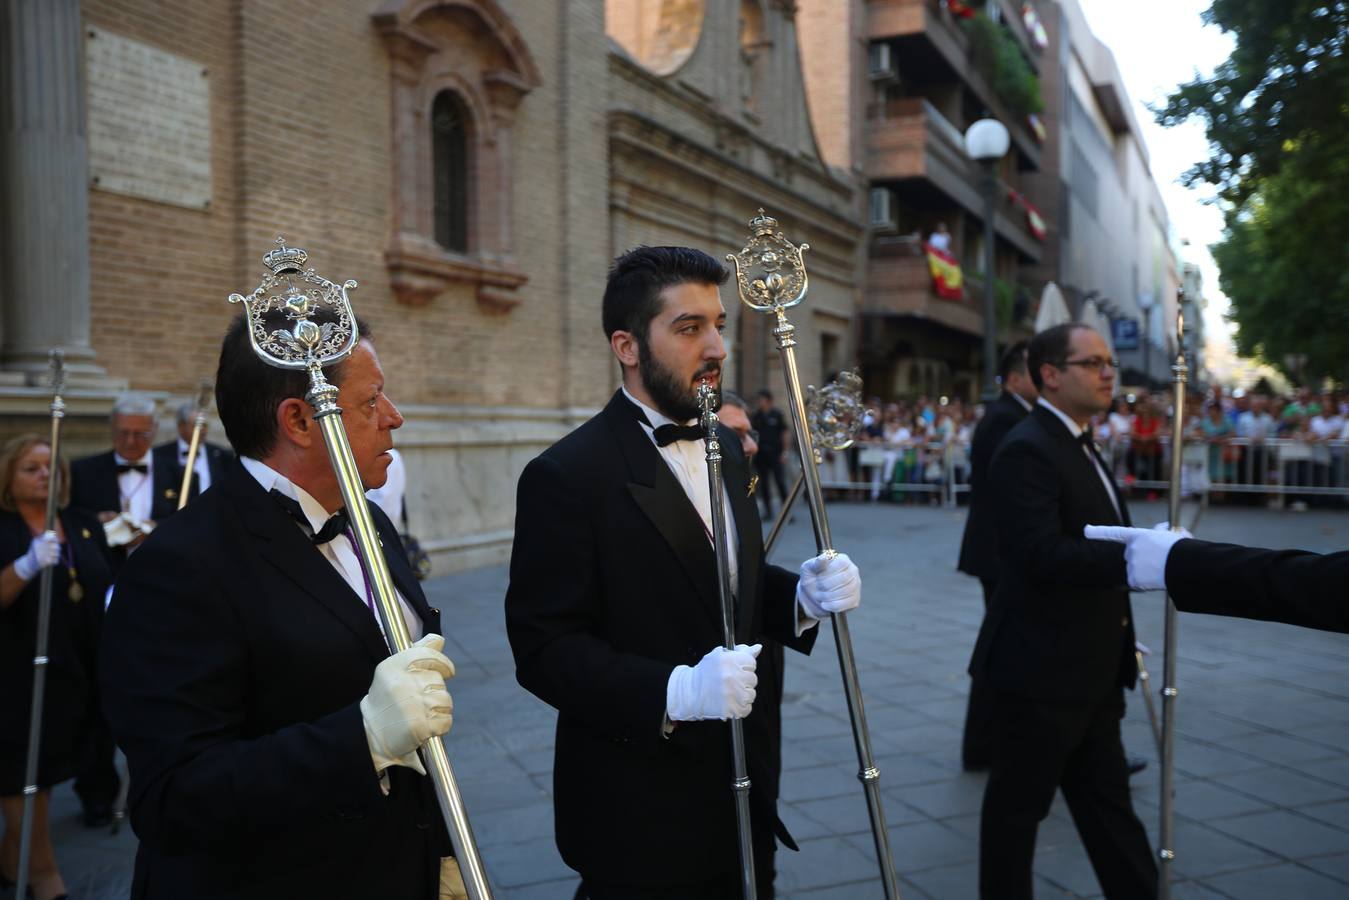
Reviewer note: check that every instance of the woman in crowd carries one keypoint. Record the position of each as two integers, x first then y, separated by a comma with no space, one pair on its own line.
1217,430
80,578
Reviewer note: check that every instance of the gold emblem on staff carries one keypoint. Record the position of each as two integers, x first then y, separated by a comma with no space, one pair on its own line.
76,590
753,483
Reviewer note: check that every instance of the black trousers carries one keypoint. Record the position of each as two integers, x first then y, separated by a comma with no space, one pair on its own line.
1040,746
725,887
976,750
770,464
97,781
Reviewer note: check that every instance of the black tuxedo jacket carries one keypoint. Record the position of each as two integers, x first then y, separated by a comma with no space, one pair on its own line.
93,485
1291,586
613,584
233,663
1060,627
218,461
979,547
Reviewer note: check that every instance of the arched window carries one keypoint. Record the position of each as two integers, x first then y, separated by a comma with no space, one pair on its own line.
450,149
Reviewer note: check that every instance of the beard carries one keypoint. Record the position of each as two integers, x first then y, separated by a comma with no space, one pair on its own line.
676,398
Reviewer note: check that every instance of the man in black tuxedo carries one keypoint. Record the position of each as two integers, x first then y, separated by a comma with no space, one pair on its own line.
979,546
270,736
127,478
1290,586
613,611
210,466
1058,642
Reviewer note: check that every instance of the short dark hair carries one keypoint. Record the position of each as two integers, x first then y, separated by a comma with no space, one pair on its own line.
632,294
1050,346
248,390
731,398
1013,360
766,394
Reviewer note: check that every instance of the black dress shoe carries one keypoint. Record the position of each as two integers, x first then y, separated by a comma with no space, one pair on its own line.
97,815
1136,764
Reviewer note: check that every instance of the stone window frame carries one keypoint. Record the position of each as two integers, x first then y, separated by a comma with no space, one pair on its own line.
490,85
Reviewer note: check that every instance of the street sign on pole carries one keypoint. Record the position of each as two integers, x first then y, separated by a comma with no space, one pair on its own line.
1125,332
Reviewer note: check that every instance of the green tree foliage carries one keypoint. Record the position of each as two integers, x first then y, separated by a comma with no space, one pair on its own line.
1277,118
998,57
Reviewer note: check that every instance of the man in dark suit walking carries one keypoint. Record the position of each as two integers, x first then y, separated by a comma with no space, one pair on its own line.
270,736
127,481
1058,642
979,546
613,611
210,466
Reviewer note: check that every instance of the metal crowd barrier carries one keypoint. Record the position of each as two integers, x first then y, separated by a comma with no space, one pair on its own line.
1282,468
1278,467
916,470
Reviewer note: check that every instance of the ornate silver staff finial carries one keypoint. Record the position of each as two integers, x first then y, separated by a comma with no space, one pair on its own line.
835,412
306,344
56,359
769,272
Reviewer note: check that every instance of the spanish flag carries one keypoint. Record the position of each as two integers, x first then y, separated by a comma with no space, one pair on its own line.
946,278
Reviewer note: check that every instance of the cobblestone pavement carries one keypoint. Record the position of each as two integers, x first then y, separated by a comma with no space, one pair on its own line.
1262,730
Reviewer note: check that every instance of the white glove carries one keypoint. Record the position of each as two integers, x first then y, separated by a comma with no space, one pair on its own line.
42,552
408,704
721,686
1145,551
829,584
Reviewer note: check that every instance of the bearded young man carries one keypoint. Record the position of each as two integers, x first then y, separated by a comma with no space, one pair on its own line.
614,616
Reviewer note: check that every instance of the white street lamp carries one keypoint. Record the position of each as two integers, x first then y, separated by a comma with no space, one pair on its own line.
986,142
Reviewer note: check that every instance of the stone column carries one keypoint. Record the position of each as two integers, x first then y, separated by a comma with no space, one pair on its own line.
44,193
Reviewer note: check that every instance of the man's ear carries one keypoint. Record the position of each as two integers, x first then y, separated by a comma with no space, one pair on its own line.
294,423
625,347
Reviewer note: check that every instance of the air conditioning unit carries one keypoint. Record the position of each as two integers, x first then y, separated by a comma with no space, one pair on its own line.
881,209
880,62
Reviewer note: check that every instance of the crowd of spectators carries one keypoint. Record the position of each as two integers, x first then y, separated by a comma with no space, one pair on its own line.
910,449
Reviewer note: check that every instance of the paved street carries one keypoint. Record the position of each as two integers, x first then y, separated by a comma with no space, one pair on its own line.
1262,769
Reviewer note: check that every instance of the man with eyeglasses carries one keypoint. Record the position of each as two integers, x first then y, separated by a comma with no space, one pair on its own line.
127,481
1057,645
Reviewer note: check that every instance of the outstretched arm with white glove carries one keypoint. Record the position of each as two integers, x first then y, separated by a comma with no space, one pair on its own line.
1145,551
408,704
830,583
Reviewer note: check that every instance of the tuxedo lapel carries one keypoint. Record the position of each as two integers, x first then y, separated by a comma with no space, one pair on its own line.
402,576
749,532
286,548
1080,464
662,500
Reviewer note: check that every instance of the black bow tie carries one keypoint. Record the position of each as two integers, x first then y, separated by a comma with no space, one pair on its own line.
336,524
123,468
668,434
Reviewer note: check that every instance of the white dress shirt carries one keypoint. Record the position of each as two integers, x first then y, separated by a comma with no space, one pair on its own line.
1076,430
340,551
688,461
200,467
136,489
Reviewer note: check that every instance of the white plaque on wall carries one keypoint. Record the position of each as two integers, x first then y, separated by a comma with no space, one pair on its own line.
149,121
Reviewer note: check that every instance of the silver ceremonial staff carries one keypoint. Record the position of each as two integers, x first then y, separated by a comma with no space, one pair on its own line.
835,416
44,619
1179,371
708,401
310,346
198,427
771,278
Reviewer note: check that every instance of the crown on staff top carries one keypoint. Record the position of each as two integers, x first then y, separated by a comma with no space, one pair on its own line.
285,260
763,225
